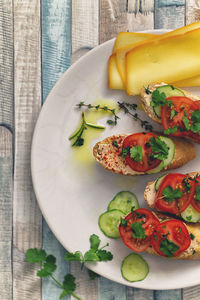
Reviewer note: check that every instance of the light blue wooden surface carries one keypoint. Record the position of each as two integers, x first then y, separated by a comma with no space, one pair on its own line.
56,51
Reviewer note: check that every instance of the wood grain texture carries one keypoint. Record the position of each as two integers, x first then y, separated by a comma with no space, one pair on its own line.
169,294
111,290
85,24
5,214
27,226
138,294
56,51
169,14
6,63
122,15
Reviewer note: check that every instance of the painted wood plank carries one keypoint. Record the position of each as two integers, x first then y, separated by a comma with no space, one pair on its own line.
122,15
192,14
111,290
169,294
6,62
5,213
85,23
169,14
27,225
56,51
138,294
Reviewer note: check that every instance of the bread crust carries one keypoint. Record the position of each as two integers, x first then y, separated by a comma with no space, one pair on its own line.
108,156
145,99
194,246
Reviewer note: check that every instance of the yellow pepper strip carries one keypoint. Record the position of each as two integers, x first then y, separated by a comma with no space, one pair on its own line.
169,59
114,78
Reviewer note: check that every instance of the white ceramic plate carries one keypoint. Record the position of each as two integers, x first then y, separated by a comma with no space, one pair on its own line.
72,195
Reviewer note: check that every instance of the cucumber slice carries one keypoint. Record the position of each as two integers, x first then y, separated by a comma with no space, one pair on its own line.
158,181
109,222
190,214
134,268
157,169
169,91
124,201
171,146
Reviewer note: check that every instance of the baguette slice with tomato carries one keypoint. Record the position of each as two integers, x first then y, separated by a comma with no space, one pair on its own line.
142,153
177,194
177,110
157,234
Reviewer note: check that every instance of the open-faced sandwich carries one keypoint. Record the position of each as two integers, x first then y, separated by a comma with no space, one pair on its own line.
142,153
176,193
178,111
154,233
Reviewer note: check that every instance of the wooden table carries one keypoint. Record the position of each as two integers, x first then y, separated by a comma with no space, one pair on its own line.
38,42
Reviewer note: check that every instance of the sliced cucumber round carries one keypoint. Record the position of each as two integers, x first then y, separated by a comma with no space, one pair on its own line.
190,214
157,169
171,146
158,181
134,268
169,91
124,201
109,222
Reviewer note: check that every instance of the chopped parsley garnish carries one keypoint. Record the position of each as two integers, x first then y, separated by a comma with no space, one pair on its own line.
172,114
171,130
158,99
136,153
189,218
195,117
192,236
159,148
186,123
195,127
123,222
187,185
138,231
115,144
197,193
168,247
125,151
170,195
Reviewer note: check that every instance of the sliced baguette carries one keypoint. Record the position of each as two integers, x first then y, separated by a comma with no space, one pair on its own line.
193,252
146,102
108,156
150,192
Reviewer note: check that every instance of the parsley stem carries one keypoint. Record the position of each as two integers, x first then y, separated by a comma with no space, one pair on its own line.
75,296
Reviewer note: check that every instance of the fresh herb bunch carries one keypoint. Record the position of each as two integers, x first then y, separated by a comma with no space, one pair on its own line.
78,135
48,264
170,195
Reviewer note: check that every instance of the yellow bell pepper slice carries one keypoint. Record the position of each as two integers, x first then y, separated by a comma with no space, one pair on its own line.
169,59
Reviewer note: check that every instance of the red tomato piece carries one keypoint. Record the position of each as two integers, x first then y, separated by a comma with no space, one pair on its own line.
146,220
140,139
176,205
193,197
171,238
182,107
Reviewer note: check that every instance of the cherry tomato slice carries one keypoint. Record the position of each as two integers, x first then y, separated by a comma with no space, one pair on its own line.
147,221
171,238
182,106
196,203
140,139
174,181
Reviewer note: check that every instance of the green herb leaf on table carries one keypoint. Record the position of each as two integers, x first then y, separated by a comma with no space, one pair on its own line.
168,247
94,242
136,153
35,255
92,275
138,231
159,148
170,195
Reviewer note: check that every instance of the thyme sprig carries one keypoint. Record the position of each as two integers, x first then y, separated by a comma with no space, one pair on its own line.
103,108
127,107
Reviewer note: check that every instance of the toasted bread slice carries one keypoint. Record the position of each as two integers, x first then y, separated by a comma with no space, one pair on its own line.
150,192
108,156
193,252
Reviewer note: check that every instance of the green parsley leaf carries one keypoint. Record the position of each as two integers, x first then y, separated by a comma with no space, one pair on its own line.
168,247
172,114
170,195
94,242
192,236
69,256
186,123
35,255
158,99
138,231
123,222
69,285
197,193
92,275
171,130
136,153
104,255
195,127
91,255
195,117
115,144
159,148
43,273
125,151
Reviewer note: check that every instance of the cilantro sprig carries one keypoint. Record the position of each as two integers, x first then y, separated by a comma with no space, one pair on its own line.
136,153
138,231
159,148
48,264
170,195
168,247
197,193
158,99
